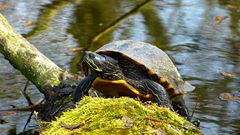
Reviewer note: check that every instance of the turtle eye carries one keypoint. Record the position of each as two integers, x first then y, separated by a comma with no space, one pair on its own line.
91,56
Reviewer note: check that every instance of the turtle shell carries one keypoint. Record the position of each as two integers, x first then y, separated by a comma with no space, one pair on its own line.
157,63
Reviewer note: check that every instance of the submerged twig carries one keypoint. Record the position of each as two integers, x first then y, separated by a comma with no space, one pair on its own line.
195,108
193,112
119,20
45,16
26,95
196,122
26,108
28,121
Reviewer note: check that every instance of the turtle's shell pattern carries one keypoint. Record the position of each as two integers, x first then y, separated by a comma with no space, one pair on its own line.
153,58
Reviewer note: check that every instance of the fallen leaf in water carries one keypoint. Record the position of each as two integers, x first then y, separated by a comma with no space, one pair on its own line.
6,113
230,6
229,97
218,19
2,6
77,49
27,23
227,74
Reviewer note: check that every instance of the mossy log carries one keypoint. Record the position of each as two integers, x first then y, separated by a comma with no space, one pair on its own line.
119,116
26,58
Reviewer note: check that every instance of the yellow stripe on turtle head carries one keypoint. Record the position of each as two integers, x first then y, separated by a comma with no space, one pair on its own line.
94,66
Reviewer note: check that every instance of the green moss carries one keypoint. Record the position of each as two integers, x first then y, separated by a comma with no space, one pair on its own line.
119,116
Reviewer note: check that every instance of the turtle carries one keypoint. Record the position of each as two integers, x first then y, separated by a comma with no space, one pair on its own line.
134,69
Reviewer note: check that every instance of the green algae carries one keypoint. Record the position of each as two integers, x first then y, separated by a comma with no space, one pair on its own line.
119,116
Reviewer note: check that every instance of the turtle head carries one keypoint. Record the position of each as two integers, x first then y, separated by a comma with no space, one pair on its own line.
98,63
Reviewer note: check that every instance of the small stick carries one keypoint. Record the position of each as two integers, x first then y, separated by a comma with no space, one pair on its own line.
27,108
195,108
152,119
25,94
28,121
71,127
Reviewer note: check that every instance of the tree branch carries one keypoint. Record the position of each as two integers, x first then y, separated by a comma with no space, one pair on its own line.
27,59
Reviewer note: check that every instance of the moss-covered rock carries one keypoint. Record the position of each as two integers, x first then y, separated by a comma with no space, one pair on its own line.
119,116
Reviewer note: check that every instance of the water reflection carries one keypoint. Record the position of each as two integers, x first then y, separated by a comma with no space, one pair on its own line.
157,33
183,28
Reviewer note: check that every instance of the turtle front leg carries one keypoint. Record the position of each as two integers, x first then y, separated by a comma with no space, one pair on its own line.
159,94
83,87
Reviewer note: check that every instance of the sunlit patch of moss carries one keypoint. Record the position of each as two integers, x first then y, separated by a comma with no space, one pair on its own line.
119,116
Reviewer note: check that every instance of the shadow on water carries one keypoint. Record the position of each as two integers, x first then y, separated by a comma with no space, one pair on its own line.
183,28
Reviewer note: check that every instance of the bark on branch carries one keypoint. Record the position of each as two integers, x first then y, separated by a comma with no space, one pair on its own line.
27,59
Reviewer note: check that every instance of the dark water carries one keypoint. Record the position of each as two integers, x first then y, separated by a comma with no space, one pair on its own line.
201,47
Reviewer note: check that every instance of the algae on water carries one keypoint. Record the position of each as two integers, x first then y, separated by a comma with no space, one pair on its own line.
124,115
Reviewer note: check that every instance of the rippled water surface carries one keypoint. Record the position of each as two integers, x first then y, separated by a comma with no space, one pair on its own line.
201,46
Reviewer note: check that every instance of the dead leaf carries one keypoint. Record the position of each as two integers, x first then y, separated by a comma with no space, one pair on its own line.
230,6
6,113
229,97
227,74
77,49
2,6
27,23
218,19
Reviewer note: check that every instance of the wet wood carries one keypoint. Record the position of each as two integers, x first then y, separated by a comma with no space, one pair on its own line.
27,59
